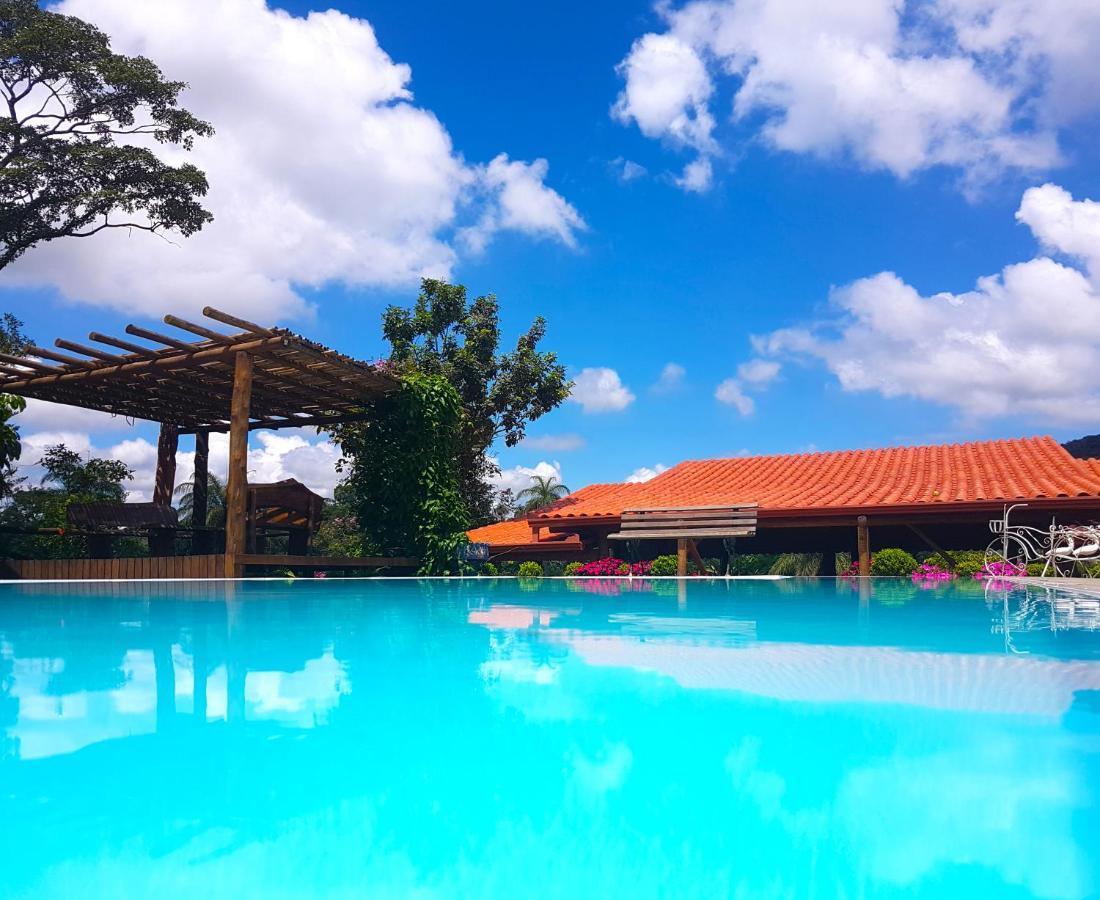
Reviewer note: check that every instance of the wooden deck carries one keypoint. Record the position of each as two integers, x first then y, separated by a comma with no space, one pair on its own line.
213,565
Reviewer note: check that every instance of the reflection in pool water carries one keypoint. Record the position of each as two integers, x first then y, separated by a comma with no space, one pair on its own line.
575,738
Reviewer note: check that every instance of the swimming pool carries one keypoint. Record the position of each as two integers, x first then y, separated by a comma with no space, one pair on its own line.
591,738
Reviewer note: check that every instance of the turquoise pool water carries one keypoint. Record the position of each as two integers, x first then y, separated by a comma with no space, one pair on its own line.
500,739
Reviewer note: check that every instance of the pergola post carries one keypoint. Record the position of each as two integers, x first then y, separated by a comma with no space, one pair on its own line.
863,543
681,557
200,497
236,491
167,444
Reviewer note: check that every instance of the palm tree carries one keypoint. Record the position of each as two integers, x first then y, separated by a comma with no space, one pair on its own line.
544,490
215,501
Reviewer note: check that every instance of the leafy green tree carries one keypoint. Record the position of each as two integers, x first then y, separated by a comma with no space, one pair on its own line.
445,335
215,501
402,474
544,490
64,99
85,480
14,343
69,478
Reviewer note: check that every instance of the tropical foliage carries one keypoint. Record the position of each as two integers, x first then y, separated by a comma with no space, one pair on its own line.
544,490
530,569
215,501
893,561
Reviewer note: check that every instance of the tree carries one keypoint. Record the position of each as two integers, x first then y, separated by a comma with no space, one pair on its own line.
69,478
402,481
85,480
500,393
215,501
504,505
14,343
544,490
64,99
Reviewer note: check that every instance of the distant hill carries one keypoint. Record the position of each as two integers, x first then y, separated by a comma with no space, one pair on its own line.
1087,447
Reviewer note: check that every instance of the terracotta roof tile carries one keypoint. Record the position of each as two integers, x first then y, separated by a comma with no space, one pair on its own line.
1017,469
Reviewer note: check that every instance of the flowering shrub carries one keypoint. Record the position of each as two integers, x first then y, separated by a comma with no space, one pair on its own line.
573,568
609,565
999,570
927,574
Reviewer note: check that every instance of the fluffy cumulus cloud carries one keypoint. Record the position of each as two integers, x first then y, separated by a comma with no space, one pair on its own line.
645,473
754,375
322,169
1021,343
979,85
272,455
599,390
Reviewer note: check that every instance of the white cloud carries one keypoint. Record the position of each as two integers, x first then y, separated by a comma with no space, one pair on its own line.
272,456
627,170
600,389
645,473
322,168
731,393
1017,345
554,443
697,177
41,415
758,372
519,478
522,202
978,85
670,380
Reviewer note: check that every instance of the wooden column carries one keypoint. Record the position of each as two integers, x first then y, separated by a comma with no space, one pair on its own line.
681,557
236,491
200,498
167,444
863,541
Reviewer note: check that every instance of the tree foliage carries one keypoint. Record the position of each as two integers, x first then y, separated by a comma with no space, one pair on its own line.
402,474
500,394
64,99
15,343
544,490
215,501
69,478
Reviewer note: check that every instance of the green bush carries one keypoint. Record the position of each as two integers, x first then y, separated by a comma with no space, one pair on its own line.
553,568
967,562
572,568
1035,569
509,567
893,562
488,569
663,565
530,569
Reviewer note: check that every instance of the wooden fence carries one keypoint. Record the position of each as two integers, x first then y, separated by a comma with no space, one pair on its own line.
208,566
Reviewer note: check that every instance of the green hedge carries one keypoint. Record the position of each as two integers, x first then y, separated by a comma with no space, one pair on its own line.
530,569
663,565
572,568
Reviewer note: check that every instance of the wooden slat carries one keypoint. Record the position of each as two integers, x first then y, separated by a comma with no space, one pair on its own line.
737,522
683,533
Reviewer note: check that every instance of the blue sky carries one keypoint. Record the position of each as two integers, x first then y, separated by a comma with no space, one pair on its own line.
920,147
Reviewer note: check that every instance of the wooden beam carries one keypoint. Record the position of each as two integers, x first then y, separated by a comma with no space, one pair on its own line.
236,494
693,551
923,535
199,492
681,557
167,444
863,543
321,562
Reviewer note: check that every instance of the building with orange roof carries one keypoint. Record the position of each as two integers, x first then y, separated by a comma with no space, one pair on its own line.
912,497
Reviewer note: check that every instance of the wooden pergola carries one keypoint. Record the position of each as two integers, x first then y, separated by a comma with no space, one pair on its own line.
201,380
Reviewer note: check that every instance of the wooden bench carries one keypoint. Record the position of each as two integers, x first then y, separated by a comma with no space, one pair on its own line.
687,524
